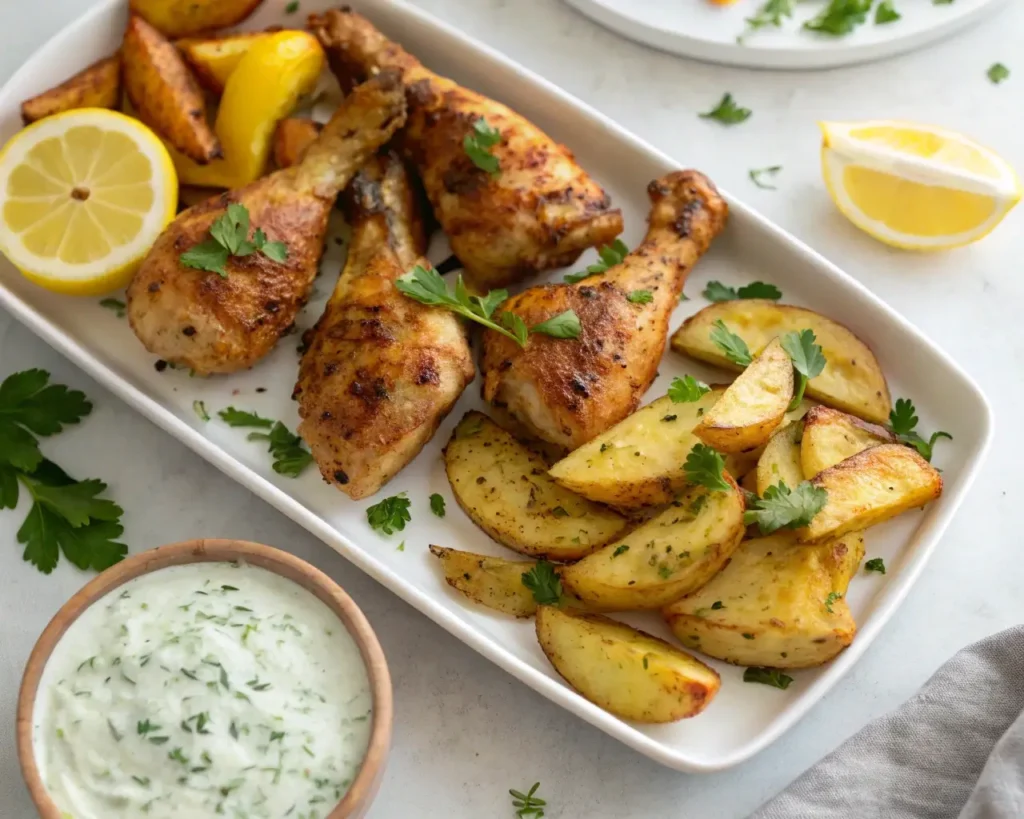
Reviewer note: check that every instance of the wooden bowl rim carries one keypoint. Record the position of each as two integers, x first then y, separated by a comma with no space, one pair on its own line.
218,550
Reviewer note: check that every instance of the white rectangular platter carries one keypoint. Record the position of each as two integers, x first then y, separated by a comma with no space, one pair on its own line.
744,718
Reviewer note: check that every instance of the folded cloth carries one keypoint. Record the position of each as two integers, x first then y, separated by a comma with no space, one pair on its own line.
956,749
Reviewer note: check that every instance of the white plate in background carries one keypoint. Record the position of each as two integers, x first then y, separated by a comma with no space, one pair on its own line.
706,31
744,718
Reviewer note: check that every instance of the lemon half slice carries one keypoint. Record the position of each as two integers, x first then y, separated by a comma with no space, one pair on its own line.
915,186
85,194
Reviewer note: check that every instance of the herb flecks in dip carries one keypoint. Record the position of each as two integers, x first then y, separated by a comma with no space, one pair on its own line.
204,690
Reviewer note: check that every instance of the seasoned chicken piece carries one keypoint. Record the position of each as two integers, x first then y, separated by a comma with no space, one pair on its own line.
566,391
220,324
538,211
380,370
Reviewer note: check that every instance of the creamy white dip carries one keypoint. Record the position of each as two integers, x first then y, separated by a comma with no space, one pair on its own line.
204,690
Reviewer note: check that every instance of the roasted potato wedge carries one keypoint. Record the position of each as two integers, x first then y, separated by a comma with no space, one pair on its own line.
164,94
752,406
626,672
639,461
490,581
98,86
869,488
672,554
831,436
852,379
780,461
291,138
213,59
777,603
180,18
505,489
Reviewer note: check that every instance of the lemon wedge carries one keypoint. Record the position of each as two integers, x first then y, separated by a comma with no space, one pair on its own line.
85,194
915,186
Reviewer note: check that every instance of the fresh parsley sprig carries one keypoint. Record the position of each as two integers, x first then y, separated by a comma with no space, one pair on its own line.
290,455
732,346
808,360
527,804
705,466
903,422
478,143
608,256
427,287
716,291
544,583
229,236
785,508
390,515
840,17
686,390
727,111
767,676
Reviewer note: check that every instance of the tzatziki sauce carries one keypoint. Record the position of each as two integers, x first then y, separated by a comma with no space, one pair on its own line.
204,690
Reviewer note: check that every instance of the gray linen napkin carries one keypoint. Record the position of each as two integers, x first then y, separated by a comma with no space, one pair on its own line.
956,749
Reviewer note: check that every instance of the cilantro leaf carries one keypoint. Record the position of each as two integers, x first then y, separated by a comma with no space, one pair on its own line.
808,360
840,17
209,255
756,175
687,389
727,111
886,13
903,422
767,676
437,505
732,346
876,564
545,584
704,466
290,456
478,143
608,256
390,515
240,418
716,291
564,325
998,72
783,508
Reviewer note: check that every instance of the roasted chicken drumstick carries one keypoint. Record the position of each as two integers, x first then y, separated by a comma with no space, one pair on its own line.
380,370
536,211
220,324
568,391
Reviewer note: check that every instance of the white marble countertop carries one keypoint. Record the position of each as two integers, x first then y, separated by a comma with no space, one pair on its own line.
466,731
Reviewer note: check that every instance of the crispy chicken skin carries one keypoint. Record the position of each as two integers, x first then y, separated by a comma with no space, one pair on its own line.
213,324
568,391
380,370
541,211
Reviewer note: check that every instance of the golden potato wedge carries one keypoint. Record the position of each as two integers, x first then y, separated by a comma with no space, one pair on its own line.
777,604
672,554
626,672
831,436
780,461
639,461
291,138
869,488
505,489
212,59
180,18
752,406
749,481
852,379
163,92
490,581
98,86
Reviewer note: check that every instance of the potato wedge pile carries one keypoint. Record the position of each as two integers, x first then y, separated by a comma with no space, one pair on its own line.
738,512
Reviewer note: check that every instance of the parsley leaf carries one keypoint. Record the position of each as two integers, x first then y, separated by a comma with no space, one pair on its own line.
527,804
292,7
390,515
229,236
209,255
886,13
756,175
716,291
840,17
640,297
903,420
687,389
545,584
808,360
290,456
783,508
478,143
732,346
704,466
998,72
831,599
564,325
240,418
767,676
770,14
116,305
199,408
437,505
608,255
727,112
876,564
30,404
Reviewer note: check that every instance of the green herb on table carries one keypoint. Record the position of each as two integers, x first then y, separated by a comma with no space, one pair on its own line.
840,17
808,360
478,143
732,346
427,287
903,422
769,14
199,408
767,676
290,456
832,598
229,236
640,297
783,508
998,72
686,390
886,13
545,584
727,112
66,515
527,804
876,564
292,7
705,467
757,176
608,255
118,306
437,505
716,291
390,515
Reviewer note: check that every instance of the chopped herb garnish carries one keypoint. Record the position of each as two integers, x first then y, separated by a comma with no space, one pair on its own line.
390,515
831,599
840,17
903,422
608,255
640,296
783,508
716,291
770,14
727,111
292,7
876,564
732,346
620,550
199,408
705,467
116,305
998,72
117,735
229,236
767,676
545,584
686,390
478,143
437,505
757,176
886,13
290,455
717,605
527,804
